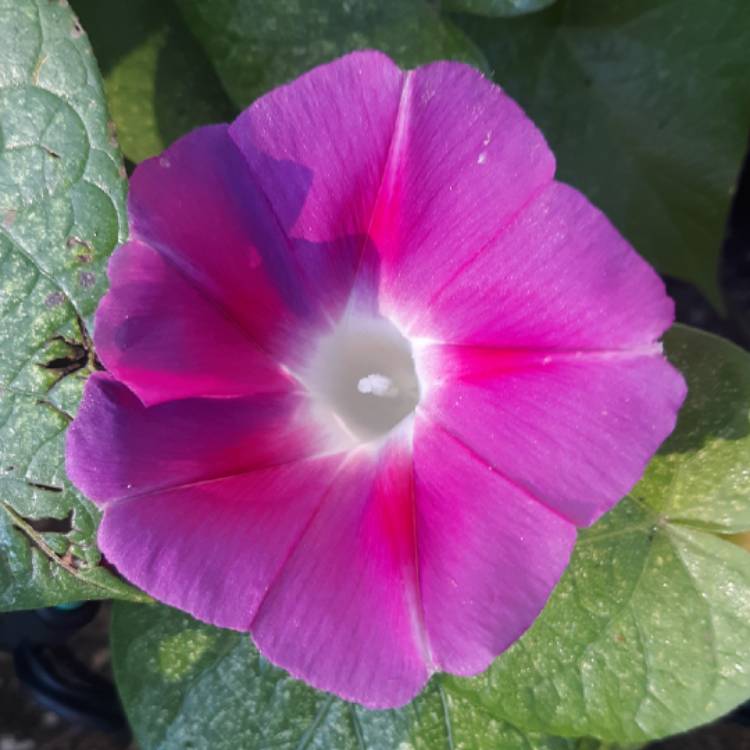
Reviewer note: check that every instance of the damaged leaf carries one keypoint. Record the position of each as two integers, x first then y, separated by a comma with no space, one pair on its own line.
62,212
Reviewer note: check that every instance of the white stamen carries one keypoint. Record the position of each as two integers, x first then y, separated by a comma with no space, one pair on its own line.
377,385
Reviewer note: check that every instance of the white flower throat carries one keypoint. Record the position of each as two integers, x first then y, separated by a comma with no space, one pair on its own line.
363,376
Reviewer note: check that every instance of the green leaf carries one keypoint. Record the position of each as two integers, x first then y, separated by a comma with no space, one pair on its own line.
648,633
258,44
498,7
158,81
645,103
62,211
189,685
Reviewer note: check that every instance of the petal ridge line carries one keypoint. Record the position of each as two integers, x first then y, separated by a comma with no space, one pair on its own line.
221,478
499,361
535,194
560,354
297,275
393,156
478,457
273,581
423,637
192,277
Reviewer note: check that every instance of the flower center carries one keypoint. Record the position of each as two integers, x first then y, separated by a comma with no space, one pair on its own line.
363,375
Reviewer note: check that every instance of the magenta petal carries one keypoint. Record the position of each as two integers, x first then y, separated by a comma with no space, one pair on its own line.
428,163
465,160
318,150
116,447
213,548
156,332
318,147
574,430
559,276
200,206
489,553
344,612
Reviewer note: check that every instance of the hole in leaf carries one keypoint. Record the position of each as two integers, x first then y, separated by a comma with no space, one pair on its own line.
56,525
45,487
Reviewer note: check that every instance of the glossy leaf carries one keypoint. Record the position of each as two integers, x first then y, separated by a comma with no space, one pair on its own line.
646,105
62,210
158,81
498,7
648,633
258,44
186,684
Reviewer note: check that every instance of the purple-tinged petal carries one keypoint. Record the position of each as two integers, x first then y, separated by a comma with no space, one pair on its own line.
489,554
318,147
428,163
228,509
200,206
117,447
575,430
559,277
318,150
156,332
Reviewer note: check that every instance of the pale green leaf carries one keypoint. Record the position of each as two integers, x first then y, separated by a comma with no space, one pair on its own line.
158,81
189,685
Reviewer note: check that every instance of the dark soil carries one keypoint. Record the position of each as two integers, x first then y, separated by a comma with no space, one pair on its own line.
25,725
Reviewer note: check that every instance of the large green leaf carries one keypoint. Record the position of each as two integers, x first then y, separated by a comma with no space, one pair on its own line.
258,44
498,7
158,81
62,210
189,685
648,633
647,106
655,640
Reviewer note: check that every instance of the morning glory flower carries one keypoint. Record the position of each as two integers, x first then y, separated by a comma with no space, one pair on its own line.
369,367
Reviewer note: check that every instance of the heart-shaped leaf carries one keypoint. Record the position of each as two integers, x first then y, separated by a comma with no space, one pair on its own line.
62,211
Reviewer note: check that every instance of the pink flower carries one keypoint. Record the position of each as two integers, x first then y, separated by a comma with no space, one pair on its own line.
369,368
